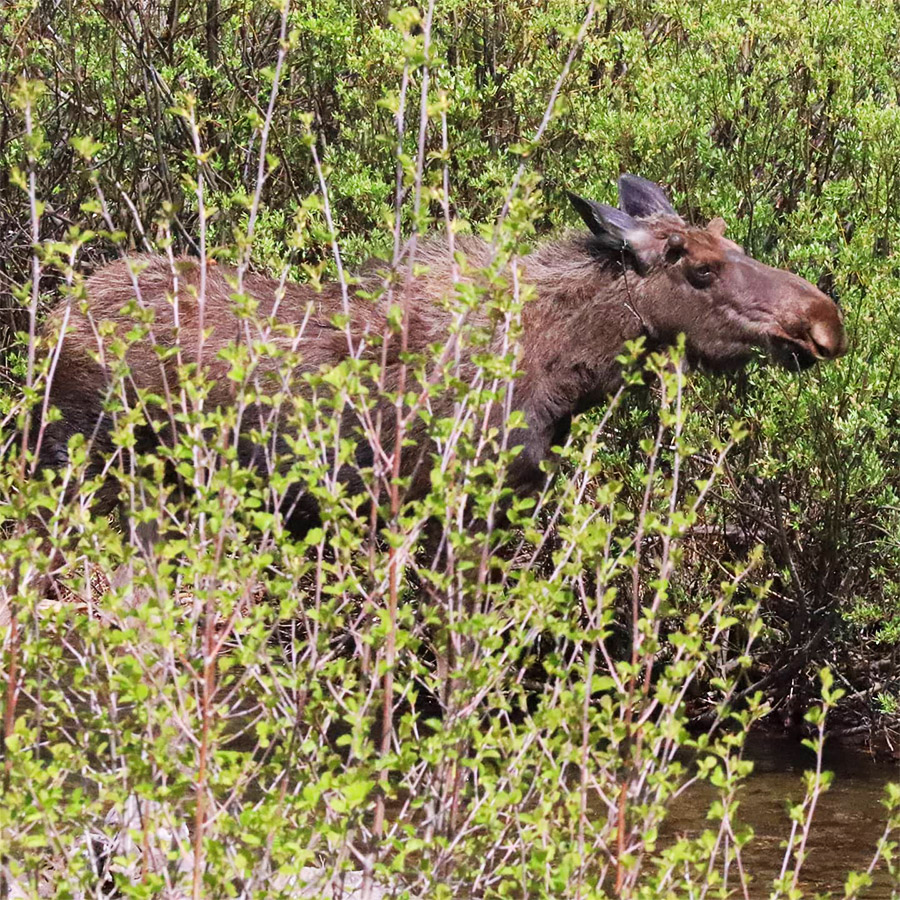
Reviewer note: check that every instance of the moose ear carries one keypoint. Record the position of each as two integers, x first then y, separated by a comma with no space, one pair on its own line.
717,227
641,198
610,225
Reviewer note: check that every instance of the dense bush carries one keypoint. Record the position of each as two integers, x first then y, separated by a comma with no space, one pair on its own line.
242,713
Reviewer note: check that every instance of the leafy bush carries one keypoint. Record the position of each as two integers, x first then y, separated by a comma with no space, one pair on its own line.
409,701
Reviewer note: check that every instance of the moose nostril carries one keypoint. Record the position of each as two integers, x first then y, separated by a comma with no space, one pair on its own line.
828,341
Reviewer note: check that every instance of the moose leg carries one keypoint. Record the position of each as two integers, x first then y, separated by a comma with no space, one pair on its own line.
299,509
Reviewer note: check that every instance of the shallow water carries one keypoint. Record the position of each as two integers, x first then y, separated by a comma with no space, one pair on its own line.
848,822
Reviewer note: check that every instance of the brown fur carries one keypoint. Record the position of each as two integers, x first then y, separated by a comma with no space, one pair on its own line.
650,276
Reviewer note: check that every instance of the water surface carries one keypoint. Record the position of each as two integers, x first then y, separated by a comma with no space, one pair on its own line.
848,822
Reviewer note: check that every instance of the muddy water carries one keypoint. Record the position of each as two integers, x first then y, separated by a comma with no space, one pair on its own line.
849,818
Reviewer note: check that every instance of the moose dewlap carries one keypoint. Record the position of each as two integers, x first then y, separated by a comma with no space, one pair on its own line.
638,271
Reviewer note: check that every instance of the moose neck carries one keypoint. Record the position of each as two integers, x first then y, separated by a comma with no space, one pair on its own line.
585,310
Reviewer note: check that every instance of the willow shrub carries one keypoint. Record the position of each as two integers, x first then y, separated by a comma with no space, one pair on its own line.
781,117
469,694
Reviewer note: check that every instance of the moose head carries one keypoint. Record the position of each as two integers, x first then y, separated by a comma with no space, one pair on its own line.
695,281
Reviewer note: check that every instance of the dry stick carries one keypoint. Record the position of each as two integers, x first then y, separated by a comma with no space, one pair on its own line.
354,351
35,260
135,285
211,648
397,555
335,247
12,673
635,647
54,360
9,714
393,487
209,657
445,777
167,387
201,216
244,261
583,768
547,117
666,561
635,751
261,177
548,112
815,792
728,827
883,850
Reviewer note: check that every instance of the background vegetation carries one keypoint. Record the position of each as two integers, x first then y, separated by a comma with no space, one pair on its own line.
228,736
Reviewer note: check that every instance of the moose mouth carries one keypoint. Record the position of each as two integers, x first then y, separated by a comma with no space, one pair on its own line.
792,354
785,352
719,364
796,354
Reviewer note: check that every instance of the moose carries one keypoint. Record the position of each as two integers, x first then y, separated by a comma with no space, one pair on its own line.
638,271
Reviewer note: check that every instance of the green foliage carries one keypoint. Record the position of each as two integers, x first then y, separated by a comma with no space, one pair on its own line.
215,720
208,718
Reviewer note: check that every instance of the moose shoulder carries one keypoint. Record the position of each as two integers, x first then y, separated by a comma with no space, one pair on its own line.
639,270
